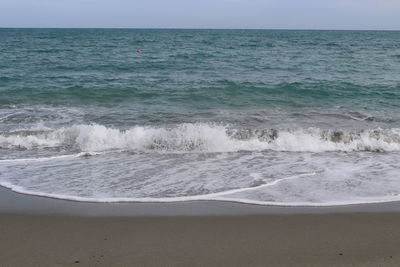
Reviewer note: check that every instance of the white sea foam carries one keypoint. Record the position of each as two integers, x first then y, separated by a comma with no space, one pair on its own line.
204,138
265,178
212,196
81,154
228,196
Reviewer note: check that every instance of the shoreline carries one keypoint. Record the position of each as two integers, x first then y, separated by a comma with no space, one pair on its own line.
17,203
38,231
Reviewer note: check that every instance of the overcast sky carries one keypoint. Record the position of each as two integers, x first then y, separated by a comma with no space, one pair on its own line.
255,14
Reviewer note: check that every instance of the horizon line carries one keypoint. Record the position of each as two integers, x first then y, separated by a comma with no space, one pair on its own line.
182,28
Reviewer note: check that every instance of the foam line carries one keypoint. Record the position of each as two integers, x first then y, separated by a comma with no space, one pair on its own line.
81,154
21,190
212,196
240,190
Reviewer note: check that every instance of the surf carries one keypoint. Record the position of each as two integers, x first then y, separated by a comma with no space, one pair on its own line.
204,137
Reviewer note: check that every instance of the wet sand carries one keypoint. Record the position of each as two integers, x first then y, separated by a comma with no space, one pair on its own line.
36,231
15,203
347,239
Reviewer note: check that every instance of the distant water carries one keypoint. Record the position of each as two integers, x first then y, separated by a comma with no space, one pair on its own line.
254,116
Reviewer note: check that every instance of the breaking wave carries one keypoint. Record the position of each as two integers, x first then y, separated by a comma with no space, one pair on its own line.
201,137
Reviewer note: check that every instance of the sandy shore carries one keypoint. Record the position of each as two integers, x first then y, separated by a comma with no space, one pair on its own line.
351,239
36,231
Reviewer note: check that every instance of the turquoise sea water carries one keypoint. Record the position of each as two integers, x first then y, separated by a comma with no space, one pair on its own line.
258,116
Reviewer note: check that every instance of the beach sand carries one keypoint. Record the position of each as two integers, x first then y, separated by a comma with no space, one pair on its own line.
346,239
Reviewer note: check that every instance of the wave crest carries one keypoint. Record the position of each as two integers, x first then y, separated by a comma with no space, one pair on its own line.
202,137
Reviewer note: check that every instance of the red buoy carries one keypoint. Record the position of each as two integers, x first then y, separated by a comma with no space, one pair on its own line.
137,50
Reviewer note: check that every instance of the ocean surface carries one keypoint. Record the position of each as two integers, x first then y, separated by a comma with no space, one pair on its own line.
255,116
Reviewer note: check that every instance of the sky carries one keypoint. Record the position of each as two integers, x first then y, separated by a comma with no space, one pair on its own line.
209,14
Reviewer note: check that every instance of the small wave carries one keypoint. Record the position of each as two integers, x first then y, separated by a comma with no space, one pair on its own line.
201,137
246,189
360,116
3,118
81,154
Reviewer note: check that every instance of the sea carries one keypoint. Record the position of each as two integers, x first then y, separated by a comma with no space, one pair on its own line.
268,117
